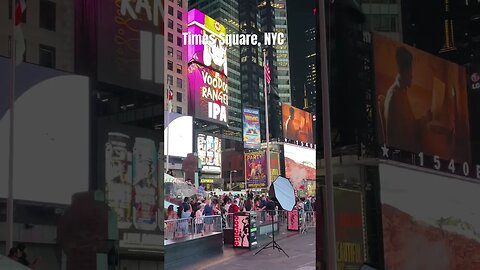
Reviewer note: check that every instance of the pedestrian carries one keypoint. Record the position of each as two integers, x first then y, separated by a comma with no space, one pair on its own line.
186,215
199,219
234,208
208,212
171,213
248,205
186,201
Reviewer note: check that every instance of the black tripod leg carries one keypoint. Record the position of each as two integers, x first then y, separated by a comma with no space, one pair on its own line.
277,246
265,247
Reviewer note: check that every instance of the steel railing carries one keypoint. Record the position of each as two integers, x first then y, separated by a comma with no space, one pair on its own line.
185,228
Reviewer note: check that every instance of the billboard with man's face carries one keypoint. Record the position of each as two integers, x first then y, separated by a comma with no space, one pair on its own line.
422,104
297,124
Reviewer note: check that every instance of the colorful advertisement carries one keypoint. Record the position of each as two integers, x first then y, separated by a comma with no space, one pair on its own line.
292,221
131,44
208,91
241,231
429,214
297,124
251,129
349,229
209,150
210,54
255,169
274,165
129,169
422,102
299,165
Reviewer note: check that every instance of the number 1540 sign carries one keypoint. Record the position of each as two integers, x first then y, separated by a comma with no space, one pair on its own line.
451,166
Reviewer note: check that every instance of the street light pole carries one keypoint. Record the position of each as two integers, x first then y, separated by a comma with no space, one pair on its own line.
234,171
327,146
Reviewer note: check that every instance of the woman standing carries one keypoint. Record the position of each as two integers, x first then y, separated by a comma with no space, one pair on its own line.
199,219
208,212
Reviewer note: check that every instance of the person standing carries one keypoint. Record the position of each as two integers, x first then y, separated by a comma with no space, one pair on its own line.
208,212
199,219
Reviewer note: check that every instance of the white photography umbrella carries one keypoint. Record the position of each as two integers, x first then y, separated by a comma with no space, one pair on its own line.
283,191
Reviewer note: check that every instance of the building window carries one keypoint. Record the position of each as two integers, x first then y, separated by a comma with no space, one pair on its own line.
179,83
24,18
179,55
170,78
170,10
179,109
48,15
47,56
170,51
179,41
179,28
179,3
179,97
179,69
170,24
170,37
179,15
170,65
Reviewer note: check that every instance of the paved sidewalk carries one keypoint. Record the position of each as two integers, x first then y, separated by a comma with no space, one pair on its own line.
300,248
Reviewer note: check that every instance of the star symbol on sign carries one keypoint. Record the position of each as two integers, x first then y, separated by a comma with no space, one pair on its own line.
385,150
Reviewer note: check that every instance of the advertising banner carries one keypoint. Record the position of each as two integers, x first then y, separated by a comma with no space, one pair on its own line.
212,54
274,165
251,129
241,231
208,92
299,164
129,174
422,106
255,169
297,124
429,214
209,149
130,44
292,220
350,232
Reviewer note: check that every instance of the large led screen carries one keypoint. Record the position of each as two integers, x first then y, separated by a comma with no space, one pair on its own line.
422,102
251,128
128,159
179,134
212,53
299,164
51,149
208,92
209,150
131,44
297,124
256,169
429,214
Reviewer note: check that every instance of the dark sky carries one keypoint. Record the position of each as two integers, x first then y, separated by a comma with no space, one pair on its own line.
300,18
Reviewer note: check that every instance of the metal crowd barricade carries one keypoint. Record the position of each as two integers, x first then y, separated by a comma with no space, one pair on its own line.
176,229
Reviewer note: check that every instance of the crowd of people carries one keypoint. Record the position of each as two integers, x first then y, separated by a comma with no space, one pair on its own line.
201,209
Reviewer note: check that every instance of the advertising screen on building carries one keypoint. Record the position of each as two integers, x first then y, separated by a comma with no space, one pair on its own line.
297,124
431,214
131,44
251,129
211,54
256,169
299,164
180,135
128,171
422,102
209,149
208,92
52,131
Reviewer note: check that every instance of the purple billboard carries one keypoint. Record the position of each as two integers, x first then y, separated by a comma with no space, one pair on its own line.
208,91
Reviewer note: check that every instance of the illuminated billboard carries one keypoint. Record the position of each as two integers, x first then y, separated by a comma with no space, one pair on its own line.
251,129
209,150
131,44
422,104
256,169
180,135
299,164
429,214
52,131
129,174
297,124
208,92
212,54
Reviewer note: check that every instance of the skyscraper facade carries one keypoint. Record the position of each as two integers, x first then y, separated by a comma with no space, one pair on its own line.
283,56
226,12
310,90
384,16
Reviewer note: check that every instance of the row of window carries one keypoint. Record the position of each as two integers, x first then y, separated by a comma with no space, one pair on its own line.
170,67
48,14
179,13
179,26
179,53
179,81
179,2
170,39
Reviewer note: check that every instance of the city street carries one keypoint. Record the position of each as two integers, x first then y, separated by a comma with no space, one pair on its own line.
300,248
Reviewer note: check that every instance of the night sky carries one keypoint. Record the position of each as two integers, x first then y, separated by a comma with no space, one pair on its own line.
300,18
